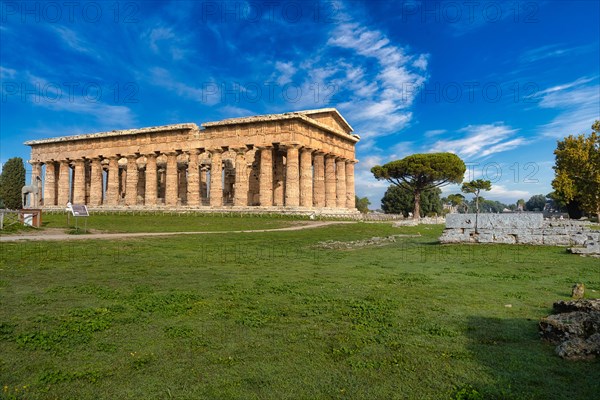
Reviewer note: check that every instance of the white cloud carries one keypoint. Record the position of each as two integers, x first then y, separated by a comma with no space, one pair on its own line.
286,71
7,73
383,107
163,38
74,41
480,141
578,105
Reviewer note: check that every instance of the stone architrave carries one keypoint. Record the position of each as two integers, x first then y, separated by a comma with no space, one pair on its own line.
216,178
241,178
350,191
266,176
132,181
151,189
193,179
50,184
79,182
112,181
306,177
340,186
171,181
292,173
96,182
330,181
319,179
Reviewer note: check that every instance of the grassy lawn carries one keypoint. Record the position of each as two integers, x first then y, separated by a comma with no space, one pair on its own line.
147,222
269,316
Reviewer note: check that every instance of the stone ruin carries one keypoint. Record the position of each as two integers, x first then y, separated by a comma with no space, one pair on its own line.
574,329
521,228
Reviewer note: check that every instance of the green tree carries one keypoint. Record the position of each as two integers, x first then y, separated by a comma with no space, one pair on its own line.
12,180
362,204
458,201
521,204
419,173
398,200
475,187
536,203
577,170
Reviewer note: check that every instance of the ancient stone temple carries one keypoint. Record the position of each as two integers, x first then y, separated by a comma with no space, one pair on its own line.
293,161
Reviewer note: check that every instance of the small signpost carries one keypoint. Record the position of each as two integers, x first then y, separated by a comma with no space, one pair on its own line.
77,211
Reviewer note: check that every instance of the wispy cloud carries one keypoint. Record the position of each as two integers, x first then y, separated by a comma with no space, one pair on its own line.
578,105
478,141
553,51
74,41
164,39
52,96
386,95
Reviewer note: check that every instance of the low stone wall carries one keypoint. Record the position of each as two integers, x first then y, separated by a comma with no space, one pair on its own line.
520,228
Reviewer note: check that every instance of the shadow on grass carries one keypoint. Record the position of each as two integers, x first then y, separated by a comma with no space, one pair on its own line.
517,364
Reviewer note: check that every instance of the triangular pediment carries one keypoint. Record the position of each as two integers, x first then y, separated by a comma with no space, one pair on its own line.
330,117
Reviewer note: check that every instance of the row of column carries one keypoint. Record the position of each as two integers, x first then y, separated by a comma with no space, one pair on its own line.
312,179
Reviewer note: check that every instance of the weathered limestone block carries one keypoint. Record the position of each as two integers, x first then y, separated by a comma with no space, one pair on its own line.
485,237
495,221
557,240
455,236
504,238
527,238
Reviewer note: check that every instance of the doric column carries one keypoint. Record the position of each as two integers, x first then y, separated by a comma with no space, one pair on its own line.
79,182
50,184
112,181
150,192
306,177
292,184
278,179
340,182
241,178
216,178
132,181
330,181
171,190
350,194
64,184
193,179
266,176
319,179
96,182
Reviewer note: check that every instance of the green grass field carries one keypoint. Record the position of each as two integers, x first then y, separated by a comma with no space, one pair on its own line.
271,316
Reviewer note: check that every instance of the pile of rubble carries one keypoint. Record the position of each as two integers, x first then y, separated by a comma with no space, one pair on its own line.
356,244
574,328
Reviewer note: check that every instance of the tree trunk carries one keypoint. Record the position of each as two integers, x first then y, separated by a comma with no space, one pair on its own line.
417,210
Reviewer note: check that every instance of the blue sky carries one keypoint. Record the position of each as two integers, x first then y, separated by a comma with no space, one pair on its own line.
495,82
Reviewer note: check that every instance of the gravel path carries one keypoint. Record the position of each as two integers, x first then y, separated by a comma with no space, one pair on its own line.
46,236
